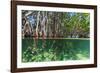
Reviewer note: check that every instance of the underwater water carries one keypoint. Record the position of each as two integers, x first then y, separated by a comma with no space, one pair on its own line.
55,50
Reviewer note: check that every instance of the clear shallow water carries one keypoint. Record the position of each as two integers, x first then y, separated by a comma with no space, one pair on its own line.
55,50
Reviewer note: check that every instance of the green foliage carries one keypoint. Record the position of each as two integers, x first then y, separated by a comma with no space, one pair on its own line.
57,24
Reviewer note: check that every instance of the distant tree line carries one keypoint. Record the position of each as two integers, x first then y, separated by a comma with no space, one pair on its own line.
48,24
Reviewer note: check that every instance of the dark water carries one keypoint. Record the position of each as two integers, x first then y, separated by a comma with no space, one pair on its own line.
55,50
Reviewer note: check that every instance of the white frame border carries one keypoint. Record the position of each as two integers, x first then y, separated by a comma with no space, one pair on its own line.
53,63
